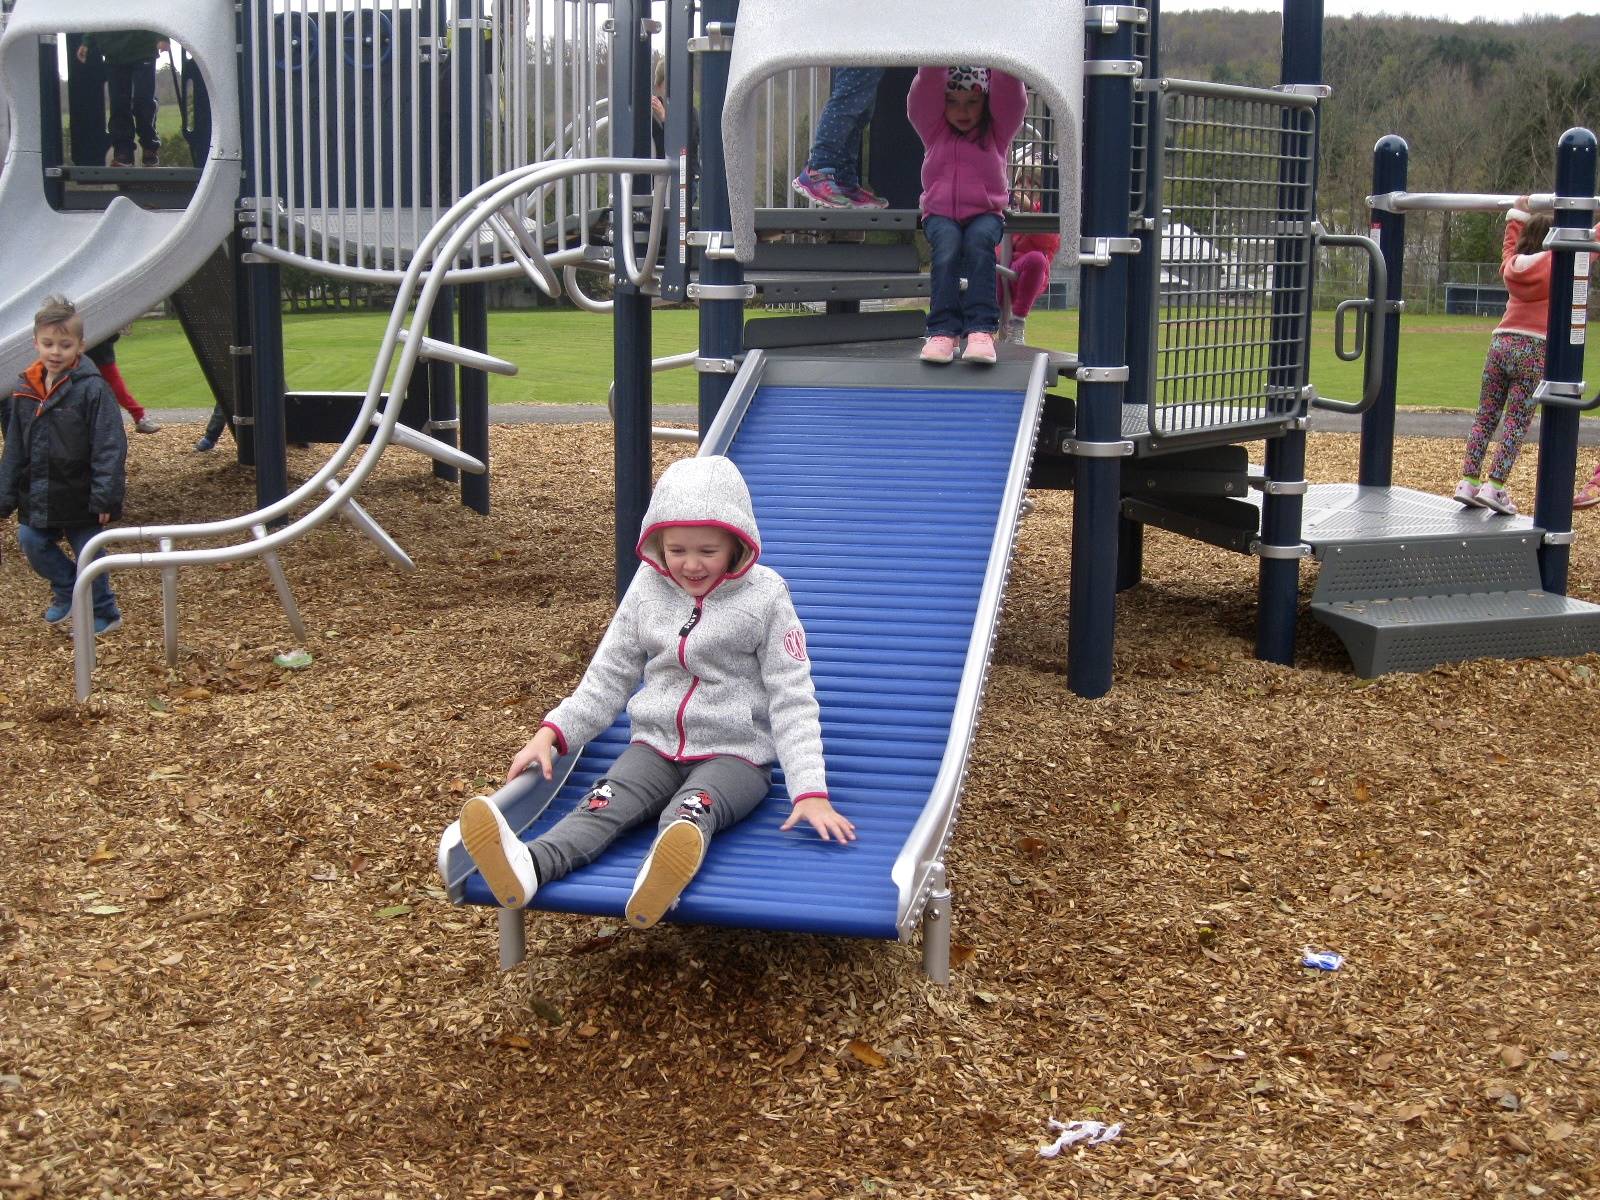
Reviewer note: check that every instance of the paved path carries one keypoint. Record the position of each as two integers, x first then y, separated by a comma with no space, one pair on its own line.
1443,423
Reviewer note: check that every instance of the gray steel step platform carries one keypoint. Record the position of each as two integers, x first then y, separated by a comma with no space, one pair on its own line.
1410,580
1413,633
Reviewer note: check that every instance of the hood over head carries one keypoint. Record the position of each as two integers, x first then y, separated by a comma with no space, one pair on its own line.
703,491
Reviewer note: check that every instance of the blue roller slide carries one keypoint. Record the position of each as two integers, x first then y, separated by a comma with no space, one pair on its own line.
888,496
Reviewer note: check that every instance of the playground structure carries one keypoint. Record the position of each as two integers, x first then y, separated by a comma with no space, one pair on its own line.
1172,379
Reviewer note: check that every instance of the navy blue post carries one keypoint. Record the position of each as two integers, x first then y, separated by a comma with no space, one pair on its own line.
266,372
1390,158
630,133
474,325
243,354
472,298
443,417
243,348
722,313
1278,588
1563,362
1102,343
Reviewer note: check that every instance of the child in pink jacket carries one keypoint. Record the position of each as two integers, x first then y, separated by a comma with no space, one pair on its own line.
967,118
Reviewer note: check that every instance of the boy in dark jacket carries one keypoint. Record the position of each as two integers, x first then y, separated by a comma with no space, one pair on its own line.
63,471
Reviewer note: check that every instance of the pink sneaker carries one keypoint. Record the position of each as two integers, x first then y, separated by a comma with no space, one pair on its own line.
980,348
817,185
861,196
940,348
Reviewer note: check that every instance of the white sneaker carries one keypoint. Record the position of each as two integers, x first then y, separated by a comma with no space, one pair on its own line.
1467,493
499,854
1492,495
665,872
1015,332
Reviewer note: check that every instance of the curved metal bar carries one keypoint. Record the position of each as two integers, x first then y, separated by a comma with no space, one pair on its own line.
1378,287
640,278
660,433
569,276
513,235
440,246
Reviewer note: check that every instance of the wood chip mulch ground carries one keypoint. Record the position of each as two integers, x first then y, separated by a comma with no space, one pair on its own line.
227,967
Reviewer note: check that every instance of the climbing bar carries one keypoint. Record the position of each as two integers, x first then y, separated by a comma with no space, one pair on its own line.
1401,202
439,351
362,520
269,559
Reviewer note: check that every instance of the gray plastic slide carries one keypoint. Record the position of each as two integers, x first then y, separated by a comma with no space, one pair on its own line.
1041,44
113,264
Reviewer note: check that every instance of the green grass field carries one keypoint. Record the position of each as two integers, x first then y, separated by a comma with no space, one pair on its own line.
565,356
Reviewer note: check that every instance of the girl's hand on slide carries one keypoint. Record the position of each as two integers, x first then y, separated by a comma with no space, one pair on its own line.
536,751
823,817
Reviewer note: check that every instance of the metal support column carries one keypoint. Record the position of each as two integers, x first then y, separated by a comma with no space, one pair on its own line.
266,370
1103,344
443,416
721,317
1390,159
1563,357
630,138
1278,588
242,350
474,325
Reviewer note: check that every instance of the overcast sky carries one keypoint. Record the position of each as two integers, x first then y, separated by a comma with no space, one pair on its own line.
1448,10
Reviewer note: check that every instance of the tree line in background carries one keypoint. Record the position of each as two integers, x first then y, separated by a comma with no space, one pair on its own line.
1480,105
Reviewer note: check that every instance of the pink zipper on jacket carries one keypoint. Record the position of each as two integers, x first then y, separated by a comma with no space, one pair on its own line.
694,680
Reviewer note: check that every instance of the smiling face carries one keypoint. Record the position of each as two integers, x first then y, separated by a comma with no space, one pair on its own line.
964,109
697,556
58,348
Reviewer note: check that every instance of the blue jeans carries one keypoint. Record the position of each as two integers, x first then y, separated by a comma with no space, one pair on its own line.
45,556
963,249
836,144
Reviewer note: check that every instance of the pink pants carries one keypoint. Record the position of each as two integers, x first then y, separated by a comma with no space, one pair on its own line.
1033,276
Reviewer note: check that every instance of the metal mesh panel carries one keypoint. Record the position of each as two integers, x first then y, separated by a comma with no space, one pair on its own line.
1236,191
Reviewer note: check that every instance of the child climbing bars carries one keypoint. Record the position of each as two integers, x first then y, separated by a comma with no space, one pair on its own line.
967,118
727,689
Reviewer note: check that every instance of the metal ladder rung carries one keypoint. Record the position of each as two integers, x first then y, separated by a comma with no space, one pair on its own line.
432,348
404,435
362,520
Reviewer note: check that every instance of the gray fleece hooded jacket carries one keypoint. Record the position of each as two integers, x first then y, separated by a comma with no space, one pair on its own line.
727,674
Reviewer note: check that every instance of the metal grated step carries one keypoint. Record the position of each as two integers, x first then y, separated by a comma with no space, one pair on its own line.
1413,633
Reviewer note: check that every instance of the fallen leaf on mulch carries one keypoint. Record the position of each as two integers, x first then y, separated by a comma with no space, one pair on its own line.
863,1053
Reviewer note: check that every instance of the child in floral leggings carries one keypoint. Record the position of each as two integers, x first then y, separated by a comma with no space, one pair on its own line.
1515,363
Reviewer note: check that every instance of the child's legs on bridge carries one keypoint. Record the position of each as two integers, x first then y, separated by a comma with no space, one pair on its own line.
1526,368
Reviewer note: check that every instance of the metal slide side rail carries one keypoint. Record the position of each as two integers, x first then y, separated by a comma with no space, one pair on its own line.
473,211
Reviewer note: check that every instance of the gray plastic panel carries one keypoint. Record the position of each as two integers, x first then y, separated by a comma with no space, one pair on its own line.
117,263
1418,633
1481,562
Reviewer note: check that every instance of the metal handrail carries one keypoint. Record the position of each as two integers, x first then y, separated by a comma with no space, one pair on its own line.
1374,307
1403,202
451,232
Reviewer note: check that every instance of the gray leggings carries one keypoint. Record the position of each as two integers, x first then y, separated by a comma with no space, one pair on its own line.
714,793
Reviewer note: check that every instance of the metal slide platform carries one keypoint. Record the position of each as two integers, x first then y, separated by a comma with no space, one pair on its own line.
113,264
888,496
